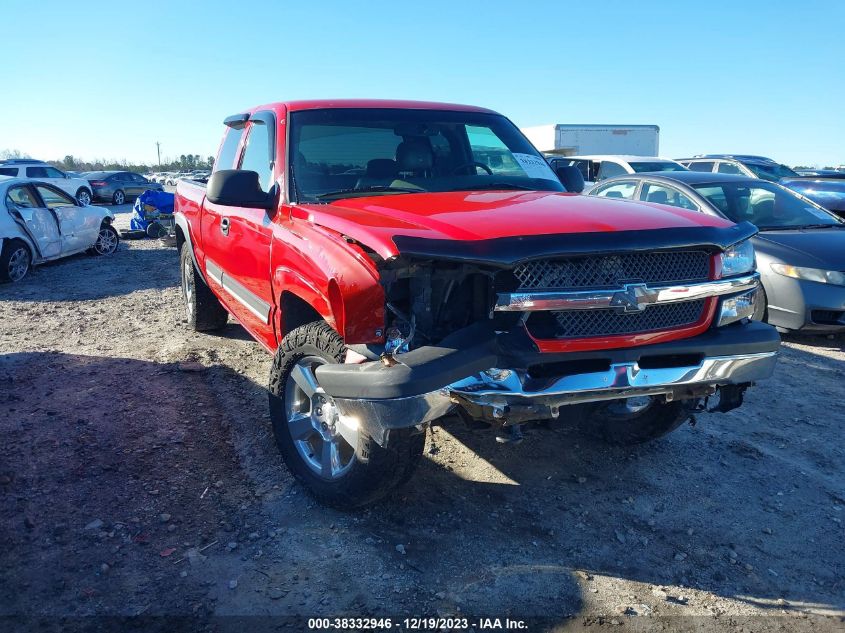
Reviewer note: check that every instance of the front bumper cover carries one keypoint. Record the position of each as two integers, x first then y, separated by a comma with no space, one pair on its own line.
430,382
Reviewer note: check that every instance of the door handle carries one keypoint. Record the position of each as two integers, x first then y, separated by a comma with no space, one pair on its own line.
224,226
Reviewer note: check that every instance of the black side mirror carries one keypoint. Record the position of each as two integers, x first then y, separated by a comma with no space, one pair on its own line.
571,178
238,188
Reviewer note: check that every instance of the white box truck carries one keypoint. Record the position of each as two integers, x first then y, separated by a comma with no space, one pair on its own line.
579,140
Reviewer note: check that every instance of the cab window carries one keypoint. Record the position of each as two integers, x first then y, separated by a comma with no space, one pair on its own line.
21,197
226,157
256,155
662,194
623,190
54,199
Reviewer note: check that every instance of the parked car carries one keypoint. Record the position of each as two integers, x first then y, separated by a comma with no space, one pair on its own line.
119,186
800,248
598,167
397,278
40,222
174,178
827,192
820,173
740,165
44,172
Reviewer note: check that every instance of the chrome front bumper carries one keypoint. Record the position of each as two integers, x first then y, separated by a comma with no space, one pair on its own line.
513,396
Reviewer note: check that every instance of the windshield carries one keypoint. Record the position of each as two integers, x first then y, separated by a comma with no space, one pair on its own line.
766,205
346,152
643,166
770,171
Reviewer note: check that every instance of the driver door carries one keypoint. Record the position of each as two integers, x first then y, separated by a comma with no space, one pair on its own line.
78,225
39,223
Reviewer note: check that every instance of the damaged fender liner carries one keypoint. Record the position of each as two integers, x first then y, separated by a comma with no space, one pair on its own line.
509,251
477,348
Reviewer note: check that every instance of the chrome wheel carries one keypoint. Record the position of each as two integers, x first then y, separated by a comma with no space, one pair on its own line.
119,197
188,287
18,263
84,198
106,243
323,438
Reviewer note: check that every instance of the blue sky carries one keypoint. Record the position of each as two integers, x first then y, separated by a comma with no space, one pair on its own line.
90,79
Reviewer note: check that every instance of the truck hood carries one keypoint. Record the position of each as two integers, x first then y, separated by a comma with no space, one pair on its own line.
489,215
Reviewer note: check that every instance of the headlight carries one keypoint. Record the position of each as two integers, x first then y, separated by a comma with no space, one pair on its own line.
811,274
738,259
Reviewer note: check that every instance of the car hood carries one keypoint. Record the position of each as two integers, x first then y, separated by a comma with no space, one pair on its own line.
816,248
485,215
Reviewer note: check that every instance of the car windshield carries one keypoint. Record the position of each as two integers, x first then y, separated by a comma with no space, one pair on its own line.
768,206
347,152
770,171
644,166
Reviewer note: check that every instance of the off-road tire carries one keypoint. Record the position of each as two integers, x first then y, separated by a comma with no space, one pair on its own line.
658,420
202,308
9,248
377,470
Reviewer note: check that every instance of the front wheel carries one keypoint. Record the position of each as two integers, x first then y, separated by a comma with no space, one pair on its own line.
107,241
15,261
339,464
119,197
634,420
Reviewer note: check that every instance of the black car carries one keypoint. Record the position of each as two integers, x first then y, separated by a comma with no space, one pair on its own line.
800,247
119,186
828,192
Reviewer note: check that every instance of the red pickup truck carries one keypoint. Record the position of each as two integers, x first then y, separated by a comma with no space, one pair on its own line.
408,261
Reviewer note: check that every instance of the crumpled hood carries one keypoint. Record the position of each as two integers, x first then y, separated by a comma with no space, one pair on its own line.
485,215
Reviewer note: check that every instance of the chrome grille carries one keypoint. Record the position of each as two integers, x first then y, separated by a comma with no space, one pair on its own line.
613,270
590,323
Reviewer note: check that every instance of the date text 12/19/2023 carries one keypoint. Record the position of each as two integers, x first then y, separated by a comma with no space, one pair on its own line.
416,624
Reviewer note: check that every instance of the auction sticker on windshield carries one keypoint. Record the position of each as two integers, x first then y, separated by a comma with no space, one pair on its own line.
534,166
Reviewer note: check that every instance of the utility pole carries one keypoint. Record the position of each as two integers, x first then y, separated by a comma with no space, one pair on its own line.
158,150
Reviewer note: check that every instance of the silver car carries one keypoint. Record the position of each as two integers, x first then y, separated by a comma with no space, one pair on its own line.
800,248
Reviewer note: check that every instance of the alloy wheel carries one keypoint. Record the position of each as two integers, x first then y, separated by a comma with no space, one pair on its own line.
324,440
84,198
18,264
188,287
106,242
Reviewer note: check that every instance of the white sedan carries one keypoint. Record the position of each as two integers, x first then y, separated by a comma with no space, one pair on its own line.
40,222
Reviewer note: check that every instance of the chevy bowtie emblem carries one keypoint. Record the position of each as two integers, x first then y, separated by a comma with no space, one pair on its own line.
634,298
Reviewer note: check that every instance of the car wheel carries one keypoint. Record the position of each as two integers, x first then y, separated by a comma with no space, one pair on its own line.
203,309
107,241
633,420
15,261
337,462
83,197
761,306
119,197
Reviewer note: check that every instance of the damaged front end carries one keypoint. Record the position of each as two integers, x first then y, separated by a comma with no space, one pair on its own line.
505,332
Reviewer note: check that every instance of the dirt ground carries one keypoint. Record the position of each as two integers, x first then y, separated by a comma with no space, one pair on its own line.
139,477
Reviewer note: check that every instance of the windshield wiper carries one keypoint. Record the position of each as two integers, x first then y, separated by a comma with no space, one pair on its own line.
346,193
495,185
797,227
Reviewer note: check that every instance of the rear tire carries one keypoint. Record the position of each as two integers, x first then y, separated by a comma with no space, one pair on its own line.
119,197
203,309
15,260
613,422
83,197
372,471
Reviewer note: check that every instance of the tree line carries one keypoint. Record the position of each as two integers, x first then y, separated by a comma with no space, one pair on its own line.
185,162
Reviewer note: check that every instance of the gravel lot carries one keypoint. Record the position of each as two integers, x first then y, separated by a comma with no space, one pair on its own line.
138,475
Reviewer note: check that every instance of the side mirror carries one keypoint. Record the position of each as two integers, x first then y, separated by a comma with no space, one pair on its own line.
571,178
238,188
